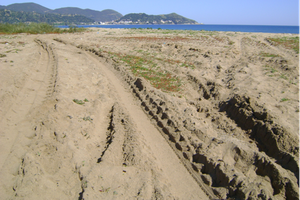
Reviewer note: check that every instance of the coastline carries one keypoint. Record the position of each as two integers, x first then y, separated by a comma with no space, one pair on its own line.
207,27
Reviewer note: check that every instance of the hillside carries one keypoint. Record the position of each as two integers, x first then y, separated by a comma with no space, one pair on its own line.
104,15
8,16
142,18
26,7
107,15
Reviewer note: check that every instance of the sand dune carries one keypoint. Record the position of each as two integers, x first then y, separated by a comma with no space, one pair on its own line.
149,114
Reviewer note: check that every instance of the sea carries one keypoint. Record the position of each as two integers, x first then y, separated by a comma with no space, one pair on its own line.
206,27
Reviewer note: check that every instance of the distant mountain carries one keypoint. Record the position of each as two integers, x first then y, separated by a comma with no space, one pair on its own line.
142,18
107,15
9,16
26,7
104,15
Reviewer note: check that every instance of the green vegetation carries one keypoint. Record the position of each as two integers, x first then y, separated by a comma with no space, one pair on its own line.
186,65
26,7
88,118
273,70
35,28
275,73
148,68
2,55
106,15
286,42
150,65
263,54
284,99
8,16
283,76
269,69
79,102
81,15
230,42
13,51
142,18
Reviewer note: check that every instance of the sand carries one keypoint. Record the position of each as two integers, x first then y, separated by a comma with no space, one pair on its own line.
148,114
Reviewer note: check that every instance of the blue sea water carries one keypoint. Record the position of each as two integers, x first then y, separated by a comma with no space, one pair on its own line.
208,27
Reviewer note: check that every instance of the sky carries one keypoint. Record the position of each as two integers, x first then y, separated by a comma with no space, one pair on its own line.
240,12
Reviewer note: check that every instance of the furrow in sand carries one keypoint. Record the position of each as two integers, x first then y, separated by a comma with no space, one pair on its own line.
197,163
16,130
172,167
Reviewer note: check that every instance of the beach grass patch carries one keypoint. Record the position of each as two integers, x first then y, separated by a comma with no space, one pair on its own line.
36,28
79,102
284,99
88,118
188,65
148,69
230,42
273,70
264,54
283,76
13,51
287,42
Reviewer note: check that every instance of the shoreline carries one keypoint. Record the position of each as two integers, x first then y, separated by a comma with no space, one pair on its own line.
207,27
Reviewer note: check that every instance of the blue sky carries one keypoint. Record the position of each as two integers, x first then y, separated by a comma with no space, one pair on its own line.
247,12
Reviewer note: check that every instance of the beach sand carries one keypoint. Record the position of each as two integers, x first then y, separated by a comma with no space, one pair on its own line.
149,114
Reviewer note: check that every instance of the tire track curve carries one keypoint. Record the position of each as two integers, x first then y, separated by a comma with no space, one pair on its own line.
163,124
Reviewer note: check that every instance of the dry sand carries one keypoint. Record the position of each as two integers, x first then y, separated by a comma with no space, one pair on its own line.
148,114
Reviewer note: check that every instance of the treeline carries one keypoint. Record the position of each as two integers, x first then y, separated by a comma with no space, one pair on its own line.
8,16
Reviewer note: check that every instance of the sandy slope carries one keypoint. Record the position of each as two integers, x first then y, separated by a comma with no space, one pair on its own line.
78,122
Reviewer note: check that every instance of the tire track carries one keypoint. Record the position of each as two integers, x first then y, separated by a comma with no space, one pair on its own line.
163,127
16,123
51,67
157,109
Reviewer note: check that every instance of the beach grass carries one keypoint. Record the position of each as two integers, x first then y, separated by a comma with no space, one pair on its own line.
264,54
159,79
287,42
35,28
147,68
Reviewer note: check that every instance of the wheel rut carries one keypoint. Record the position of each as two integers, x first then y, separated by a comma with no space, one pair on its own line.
38,88
153,131
214,176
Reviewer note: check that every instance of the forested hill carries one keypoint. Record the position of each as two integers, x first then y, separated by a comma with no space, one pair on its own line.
26,7
32,12
142,18
8,16
106,15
